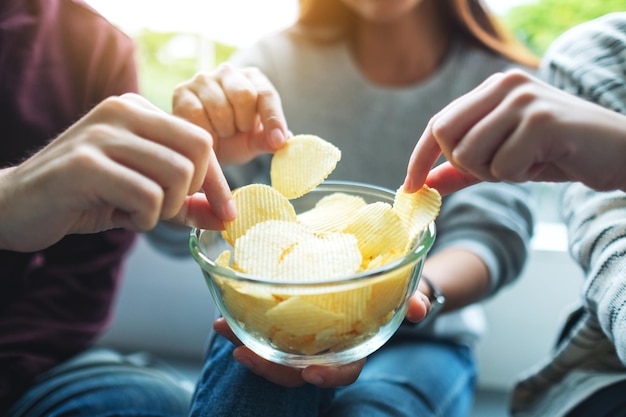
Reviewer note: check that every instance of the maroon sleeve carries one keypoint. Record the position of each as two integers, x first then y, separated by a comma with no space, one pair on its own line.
113,71
58,59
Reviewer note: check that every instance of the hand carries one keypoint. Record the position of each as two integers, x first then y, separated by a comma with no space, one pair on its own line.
516,128
419,304
239,107
124,164
322,376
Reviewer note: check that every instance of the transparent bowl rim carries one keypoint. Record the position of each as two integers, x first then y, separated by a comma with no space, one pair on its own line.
420,248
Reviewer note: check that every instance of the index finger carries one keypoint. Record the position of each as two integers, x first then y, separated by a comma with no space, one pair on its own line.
424,156
270,109
217,190
197,212
181,136
448,126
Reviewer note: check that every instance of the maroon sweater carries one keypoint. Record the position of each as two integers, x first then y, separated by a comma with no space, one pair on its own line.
58,58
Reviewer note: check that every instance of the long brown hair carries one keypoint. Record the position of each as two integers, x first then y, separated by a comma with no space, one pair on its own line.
331,20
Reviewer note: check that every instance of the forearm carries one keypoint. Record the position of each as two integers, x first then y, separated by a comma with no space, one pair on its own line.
492,221
5,208
460,274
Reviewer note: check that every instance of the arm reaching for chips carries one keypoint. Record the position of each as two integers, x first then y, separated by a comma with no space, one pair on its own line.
124,164
516,128
239,107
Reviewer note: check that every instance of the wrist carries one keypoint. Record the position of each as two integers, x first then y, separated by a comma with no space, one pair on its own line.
5,200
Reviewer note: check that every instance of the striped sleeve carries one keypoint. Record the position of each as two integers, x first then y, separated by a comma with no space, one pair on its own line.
597,239
590,62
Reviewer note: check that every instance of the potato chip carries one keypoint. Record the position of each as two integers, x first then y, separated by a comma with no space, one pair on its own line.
378,229
248,304
223,259
302,164
388,293
384,259
417,210
261,250
332,213
256,203
287,342
351,303
298,317
324,257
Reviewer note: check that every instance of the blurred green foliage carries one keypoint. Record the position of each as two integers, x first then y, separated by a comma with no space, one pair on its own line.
540,22
161,69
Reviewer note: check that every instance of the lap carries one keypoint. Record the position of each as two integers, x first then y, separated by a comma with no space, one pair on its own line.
411,377
407,377
102,383
228,389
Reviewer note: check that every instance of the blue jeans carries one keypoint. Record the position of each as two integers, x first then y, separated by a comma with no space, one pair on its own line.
406,377
103,383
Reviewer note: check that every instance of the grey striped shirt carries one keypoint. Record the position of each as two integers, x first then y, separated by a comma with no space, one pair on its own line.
589,61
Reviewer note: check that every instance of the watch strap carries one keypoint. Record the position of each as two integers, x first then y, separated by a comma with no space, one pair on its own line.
437,301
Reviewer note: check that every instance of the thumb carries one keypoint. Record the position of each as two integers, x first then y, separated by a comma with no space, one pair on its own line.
446,179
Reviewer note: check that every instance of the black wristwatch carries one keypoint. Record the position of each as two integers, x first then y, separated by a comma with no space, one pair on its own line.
437,301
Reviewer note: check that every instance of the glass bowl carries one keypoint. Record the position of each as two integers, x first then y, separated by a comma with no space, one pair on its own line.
367,307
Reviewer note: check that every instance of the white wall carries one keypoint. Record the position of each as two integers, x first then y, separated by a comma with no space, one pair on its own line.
164,306
525,319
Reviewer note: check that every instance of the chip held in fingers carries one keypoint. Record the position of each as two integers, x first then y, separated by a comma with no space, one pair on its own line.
417,210
340,236
302,164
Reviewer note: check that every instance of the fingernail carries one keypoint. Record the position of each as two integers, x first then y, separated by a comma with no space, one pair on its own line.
230,210
314,379
246,363
277,138
408,184
243,360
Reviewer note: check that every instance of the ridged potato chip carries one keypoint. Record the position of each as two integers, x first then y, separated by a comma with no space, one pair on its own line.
298,317
310,344
388,293
302,164
256,203
288,250
248,304
324,257
417,210
332,213
223,259
350,303
262,248
378,229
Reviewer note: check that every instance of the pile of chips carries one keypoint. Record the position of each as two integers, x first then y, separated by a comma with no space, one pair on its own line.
339,237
